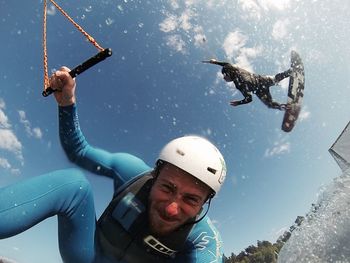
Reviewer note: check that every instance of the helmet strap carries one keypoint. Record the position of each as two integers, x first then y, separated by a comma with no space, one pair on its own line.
201,218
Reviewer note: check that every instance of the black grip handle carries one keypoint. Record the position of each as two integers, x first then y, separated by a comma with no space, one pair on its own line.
83,66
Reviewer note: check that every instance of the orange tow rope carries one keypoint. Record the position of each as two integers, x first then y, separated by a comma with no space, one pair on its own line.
88,37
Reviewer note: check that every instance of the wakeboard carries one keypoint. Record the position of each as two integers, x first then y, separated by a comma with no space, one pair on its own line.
295,92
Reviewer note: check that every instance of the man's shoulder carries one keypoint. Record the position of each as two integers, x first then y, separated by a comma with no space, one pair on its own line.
229,66
205,242
204,232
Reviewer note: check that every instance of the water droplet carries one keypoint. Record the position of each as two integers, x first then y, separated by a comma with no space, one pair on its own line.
88,9
109,21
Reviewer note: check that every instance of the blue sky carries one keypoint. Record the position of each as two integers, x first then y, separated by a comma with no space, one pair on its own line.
154,88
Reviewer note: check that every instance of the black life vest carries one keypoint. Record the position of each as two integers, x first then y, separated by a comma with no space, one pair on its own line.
123,229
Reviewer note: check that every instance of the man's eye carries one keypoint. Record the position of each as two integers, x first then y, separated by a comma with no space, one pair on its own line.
192,201
166,188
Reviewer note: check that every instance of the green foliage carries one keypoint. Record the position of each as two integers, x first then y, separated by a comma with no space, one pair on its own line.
264,252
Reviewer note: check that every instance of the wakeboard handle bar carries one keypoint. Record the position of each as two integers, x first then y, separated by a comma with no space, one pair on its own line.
107,52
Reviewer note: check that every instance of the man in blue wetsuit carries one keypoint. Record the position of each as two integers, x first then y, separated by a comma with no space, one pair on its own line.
248,83
155,214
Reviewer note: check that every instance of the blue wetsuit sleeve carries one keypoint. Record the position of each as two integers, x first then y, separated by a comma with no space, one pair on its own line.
203,245
119,166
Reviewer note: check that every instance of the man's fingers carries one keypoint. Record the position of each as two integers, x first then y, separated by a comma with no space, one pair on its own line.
58,80
64,68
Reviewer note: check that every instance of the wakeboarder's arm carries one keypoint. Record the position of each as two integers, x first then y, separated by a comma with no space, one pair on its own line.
240,102
247,98
119,166
215,62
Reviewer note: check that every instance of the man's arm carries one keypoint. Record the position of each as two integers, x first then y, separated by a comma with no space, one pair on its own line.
119,166
214,61
246,100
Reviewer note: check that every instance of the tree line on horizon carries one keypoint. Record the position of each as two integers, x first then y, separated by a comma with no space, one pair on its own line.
264,251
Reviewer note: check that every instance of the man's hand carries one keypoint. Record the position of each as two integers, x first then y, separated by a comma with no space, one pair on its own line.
64,85
211,61
234,103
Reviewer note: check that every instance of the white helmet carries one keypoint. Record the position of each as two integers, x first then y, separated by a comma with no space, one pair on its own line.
198,157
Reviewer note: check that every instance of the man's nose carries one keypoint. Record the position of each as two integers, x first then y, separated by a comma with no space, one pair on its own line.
172,209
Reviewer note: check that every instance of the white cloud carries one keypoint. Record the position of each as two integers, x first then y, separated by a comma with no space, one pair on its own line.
235,49
199,37
304,114
176,43
233,42
182,22
4,163
37,132
181,18
279,30
254,9
278,149
246,54
185,20
32,132
2,104
174,4
251,9
9,142
274,4
180,25
3,120
4,123
169,24
15,171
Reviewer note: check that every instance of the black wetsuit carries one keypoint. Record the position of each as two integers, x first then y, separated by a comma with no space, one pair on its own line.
248,83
